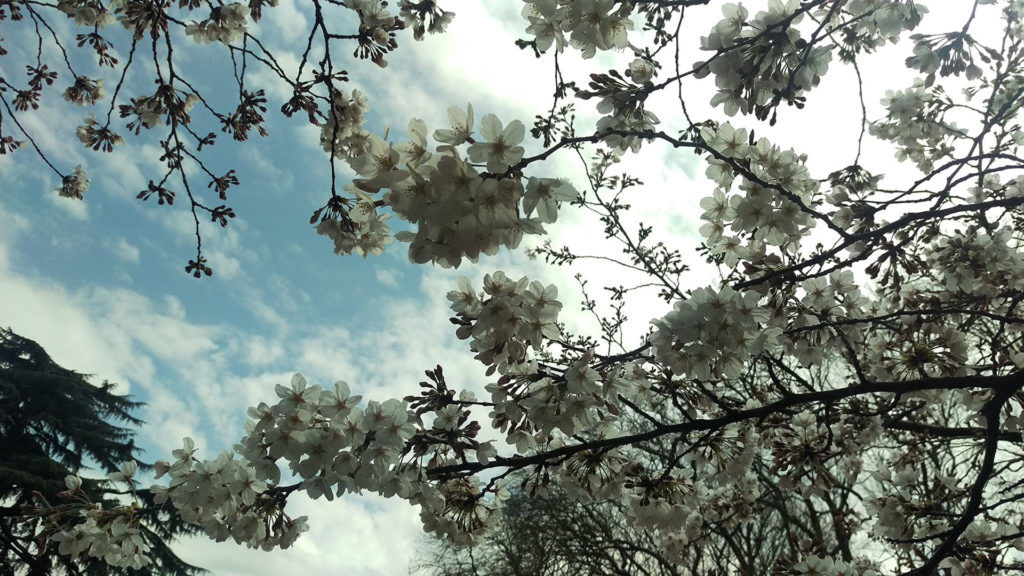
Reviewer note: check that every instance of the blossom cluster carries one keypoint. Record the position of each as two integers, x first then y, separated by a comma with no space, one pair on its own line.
623,105
507,319
818,302
331,445
425,17
814,565
98,137
85,91
509,325
578,398
922,136
589,25
363,232
74,185
711,334
929,349
774,183
149,111
753,70
143,112
226,24
342,134
981,263
112,535
714,488
328,442
460,212
800,448
87,12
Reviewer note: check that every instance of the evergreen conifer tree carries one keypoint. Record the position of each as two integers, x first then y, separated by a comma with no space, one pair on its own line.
55,423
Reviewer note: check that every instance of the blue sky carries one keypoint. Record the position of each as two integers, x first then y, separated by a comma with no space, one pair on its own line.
100,283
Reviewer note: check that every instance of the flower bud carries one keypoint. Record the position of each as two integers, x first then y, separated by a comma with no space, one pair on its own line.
129,468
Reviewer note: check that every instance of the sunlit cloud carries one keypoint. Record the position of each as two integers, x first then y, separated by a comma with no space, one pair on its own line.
388,277
124,250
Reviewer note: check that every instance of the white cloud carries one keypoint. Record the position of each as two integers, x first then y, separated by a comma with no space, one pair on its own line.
364,535
259,351
264,311
60,320
388,277
70,207
121,174
425,78
124,250
226,248
288,23
12,225
267,175
227,266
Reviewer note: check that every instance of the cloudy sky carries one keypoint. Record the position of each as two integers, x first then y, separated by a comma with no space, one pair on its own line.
100,283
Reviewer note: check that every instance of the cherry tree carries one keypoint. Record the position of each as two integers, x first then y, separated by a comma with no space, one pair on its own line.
551,535
854,368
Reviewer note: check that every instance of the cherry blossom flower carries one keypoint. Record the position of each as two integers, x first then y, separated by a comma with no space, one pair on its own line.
545,24
462,126
501,148
126,473
414,152
543,195
599,25
74,185
641,71
226,24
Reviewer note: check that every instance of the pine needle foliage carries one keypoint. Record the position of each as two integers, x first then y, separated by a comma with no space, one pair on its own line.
53,423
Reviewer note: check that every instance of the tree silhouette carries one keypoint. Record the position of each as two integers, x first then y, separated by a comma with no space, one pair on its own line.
54,423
